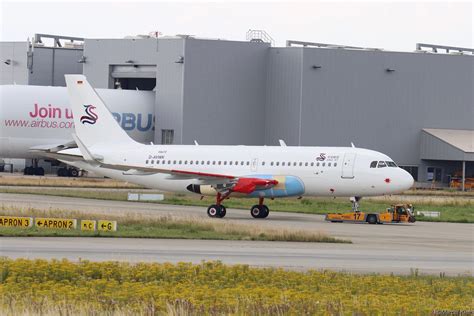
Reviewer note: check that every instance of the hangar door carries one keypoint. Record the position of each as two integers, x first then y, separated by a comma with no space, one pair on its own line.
348,165
133,76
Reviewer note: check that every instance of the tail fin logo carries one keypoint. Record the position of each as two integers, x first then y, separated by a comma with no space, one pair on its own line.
91,117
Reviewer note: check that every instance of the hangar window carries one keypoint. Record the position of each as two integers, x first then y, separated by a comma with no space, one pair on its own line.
382,164
373,164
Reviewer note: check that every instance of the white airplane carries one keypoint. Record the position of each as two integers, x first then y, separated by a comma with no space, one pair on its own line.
40,117
223,171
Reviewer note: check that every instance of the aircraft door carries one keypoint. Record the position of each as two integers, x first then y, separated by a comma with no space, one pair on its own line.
254,164
348,166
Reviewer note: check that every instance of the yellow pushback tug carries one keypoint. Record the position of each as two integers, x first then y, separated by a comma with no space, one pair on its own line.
399,213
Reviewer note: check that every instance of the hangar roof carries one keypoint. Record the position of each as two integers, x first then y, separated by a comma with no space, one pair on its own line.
447,144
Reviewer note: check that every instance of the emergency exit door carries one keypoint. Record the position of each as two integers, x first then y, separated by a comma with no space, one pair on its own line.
348,166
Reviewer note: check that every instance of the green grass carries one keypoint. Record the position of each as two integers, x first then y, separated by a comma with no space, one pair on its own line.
460,210
153,226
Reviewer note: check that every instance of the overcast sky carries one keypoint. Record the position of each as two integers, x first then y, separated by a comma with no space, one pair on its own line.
390,25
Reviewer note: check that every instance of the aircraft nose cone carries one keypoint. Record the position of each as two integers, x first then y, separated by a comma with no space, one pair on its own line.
407,180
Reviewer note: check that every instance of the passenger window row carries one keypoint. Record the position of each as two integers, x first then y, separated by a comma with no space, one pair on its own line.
237,163
383,164
196,162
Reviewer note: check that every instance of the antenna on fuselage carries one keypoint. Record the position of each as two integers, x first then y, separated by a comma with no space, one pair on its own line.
282,143
352,145
196,143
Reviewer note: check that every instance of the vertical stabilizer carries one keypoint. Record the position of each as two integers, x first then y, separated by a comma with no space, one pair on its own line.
94,124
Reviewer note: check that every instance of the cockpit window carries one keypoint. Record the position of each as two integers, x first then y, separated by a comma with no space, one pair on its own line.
391,164
373,164
382,164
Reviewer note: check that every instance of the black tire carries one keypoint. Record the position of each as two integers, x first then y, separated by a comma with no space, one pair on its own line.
222,212
73,172
39,171
29,171
372,219
265,211
259,211
213,210
62,172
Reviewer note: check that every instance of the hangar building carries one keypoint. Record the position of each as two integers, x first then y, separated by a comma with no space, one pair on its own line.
417,107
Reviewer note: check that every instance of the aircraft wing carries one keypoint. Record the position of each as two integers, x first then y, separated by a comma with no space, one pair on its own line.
233,183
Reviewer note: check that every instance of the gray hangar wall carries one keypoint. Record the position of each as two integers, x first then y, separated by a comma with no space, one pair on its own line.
216,95
318,96
46,66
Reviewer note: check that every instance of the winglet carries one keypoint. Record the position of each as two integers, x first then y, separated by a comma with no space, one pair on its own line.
282,143
84,151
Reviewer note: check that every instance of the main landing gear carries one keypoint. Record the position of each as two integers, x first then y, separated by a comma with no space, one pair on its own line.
259,210
218,210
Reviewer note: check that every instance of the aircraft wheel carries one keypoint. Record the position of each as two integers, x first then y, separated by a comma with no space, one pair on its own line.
39,171
62,172
372,219
29,171
222,212
259,211
73,172
214,210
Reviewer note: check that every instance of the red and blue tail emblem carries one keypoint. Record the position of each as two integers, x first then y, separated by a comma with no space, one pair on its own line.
91,117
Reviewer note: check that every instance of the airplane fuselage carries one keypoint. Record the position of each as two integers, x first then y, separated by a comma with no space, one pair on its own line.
315,171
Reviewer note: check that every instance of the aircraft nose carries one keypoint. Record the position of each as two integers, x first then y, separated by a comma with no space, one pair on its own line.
406,180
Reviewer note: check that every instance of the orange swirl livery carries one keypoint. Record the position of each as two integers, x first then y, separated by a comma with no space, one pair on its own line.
91,117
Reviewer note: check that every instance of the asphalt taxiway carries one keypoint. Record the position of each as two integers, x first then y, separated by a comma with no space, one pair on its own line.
429,247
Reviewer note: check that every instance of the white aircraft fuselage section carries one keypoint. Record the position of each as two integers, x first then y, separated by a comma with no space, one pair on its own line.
323,171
